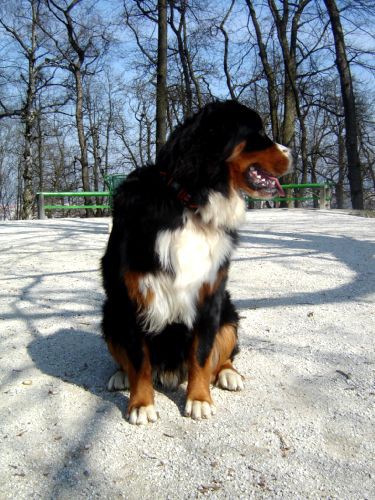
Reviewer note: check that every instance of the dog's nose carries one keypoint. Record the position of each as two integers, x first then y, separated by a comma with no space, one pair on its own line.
288,156
284,149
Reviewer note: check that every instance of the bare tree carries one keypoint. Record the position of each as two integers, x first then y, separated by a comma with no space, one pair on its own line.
351,136
289,51
183,52
78,52
226,51
269,73
161,82
27,39
8,145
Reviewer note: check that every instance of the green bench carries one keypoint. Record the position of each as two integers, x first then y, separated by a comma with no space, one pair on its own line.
42,206
324,194
113,181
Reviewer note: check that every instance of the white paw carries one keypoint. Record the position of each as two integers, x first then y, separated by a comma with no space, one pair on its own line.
230,380
143,415
199,409
118,382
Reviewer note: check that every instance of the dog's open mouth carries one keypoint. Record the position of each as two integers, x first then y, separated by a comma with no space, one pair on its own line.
261,181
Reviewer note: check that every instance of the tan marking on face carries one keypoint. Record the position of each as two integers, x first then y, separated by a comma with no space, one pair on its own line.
273,160
237,151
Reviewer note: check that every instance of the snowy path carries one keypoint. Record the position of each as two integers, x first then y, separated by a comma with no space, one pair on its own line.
304,282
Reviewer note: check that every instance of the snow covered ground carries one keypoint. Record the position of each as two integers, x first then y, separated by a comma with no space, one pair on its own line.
304,427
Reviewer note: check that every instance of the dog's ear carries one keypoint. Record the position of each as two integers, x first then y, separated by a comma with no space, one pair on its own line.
196,153
196,150
180,155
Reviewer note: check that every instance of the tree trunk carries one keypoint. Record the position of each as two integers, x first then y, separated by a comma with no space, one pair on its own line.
341,164
270,75
29,121
109,126
27,173
40,151
95,137
289,57
180,33
226,53
292,108
304,156
290,115
313,179
97,164
351,137
81,131
161,82
193,77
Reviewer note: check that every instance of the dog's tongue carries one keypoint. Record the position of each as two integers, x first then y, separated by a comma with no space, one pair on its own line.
278,186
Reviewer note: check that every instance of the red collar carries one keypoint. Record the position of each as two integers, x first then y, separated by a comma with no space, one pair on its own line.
181,193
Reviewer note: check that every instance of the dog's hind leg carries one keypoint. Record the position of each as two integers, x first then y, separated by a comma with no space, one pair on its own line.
119,381
217,368
225,346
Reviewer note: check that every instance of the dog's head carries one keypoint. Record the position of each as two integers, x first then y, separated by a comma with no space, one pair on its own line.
223,147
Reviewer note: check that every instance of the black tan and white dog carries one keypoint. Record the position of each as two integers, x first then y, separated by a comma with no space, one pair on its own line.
168,317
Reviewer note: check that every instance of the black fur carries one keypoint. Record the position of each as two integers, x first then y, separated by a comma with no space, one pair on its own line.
193,161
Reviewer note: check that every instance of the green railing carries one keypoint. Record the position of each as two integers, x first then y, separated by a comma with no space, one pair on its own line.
42,206
112,181
323,197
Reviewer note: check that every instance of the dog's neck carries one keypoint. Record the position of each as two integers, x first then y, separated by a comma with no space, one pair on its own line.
219,211
225,212
180,192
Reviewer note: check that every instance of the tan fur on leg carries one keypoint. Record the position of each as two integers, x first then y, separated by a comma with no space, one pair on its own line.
224,374
141,405
199,403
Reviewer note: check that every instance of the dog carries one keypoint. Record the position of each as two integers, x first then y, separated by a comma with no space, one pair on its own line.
168,317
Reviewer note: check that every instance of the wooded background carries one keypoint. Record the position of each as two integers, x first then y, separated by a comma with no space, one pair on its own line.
89,88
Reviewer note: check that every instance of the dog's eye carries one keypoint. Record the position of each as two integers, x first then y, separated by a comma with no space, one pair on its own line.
258,141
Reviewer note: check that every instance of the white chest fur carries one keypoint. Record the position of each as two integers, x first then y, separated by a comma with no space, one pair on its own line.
189,257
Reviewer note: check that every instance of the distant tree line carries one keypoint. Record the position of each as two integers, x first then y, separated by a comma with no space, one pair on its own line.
93,87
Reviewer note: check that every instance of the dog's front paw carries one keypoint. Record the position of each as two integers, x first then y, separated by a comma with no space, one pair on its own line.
118,382
142,415
230,379
199,409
